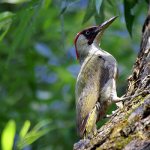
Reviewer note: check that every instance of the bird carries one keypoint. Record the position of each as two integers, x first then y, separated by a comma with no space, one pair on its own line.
96,82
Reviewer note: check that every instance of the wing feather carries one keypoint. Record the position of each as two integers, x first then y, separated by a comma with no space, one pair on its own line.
88,85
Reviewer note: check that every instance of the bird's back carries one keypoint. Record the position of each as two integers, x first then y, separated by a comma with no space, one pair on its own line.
92,77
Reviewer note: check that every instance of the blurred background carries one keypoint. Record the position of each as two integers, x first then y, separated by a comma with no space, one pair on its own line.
38,66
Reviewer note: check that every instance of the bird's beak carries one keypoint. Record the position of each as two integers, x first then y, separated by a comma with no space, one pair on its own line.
106,24
101,28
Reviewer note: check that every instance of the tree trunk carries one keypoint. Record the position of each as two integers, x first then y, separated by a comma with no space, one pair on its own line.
129,128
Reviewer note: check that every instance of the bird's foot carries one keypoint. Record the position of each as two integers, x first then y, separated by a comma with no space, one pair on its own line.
119,100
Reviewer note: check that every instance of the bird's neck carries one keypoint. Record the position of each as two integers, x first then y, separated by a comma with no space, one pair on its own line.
90,51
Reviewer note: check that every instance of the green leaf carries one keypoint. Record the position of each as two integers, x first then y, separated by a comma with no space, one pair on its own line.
46,3
41,125
31,137
129,17
65,4
39,130
5,15
8,134
147,1
110,2
100,17
90,11
63,9
5,22
98,5
25,128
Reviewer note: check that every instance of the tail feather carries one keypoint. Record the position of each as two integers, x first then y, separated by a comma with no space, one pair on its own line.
81,126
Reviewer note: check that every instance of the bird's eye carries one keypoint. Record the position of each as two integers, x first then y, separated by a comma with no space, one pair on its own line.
87,32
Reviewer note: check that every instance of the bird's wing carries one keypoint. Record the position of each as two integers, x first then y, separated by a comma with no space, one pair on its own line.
92,77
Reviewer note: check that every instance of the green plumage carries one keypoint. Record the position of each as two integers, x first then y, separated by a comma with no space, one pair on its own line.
91,80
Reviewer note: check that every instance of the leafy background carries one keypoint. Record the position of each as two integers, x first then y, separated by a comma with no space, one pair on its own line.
38,66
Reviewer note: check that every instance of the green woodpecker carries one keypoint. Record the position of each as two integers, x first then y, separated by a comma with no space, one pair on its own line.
96,81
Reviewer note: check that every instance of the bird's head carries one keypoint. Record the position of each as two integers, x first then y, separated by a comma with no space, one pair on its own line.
89,36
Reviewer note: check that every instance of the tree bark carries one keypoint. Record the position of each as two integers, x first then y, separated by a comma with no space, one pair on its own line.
129,128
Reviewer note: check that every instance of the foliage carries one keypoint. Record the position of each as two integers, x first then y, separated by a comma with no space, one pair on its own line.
25,138
38,68
8,135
